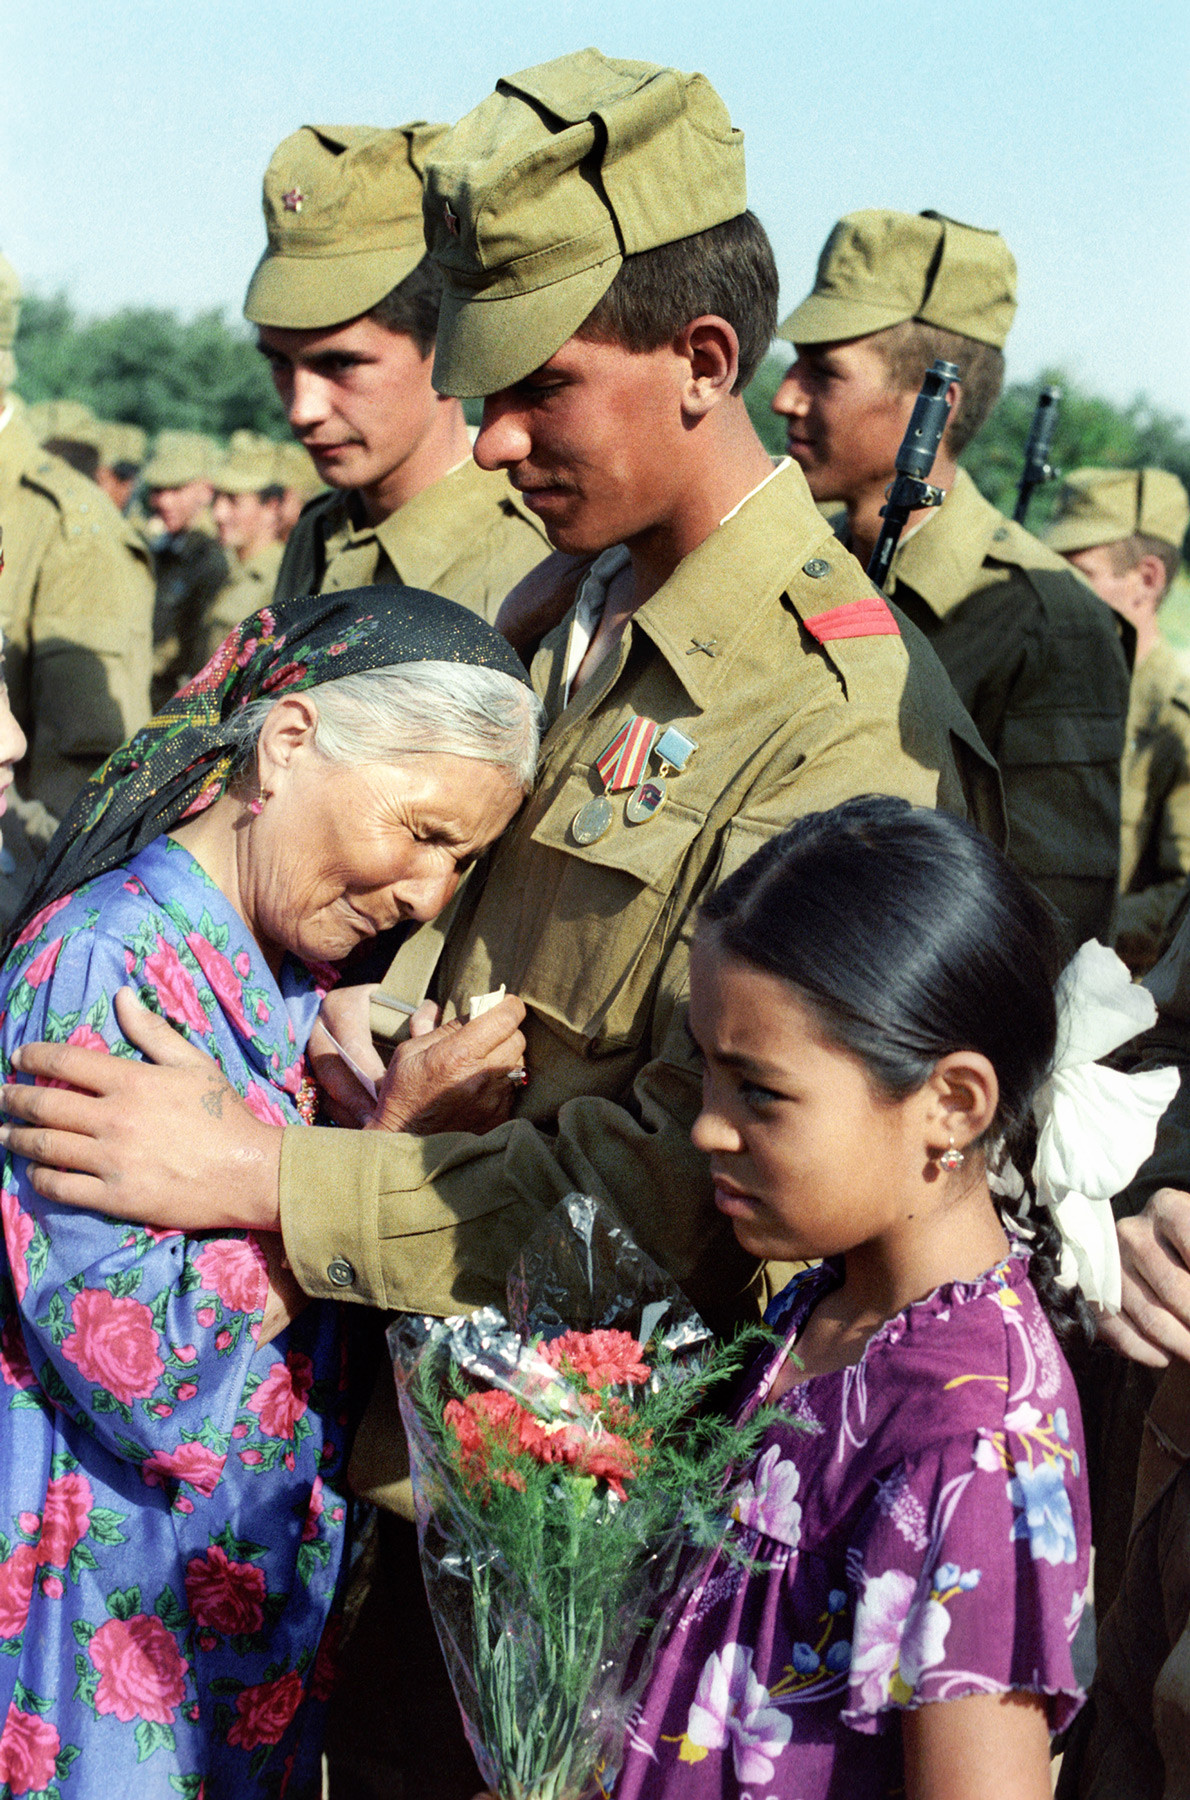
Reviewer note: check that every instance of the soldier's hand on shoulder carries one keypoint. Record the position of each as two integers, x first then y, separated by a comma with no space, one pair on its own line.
1153,1324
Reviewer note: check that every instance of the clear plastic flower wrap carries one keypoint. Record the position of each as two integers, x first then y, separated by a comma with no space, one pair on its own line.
563,1458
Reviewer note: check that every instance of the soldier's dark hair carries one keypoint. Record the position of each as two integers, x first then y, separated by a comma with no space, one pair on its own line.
1127,552
412,306
908,350
727,271
907,936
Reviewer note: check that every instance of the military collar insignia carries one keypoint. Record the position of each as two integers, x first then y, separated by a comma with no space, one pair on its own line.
293,200
451,217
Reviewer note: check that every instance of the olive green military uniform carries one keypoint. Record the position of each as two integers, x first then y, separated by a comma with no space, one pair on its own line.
741,649
1137,512
595,939
1154,806
1037,662
1132,1742
251,586
76,607
469,537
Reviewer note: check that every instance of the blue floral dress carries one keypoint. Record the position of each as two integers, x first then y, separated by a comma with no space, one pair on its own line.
172,1510
912,1529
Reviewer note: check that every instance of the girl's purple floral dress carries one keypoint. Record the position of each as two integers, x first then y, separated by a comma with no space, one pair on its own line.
172,1511
918,1531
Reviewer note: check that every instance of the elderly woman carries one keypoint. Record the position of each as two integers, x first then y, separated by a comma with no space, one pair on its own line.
174,1435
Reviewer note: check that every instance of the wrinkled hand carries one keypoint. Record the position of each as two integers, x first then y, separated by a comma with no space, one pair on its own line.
170,1145
344,1025
453,1077
1153,1323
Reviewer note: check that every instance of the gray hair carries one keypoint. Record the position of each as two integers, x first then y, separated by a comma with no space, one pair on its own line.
417,708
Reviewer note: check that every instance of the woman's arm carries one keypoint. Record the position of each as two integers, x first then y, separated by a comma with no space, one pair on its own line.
986,1747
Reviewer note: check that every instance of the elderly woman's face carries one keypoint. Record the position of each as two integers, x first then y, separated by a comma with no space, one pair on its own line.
12,739
340,852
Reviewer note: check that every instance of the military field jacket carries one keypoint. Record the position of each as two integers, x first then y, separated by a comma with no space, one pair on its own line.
468,537
743,650
76,608
1036,659
1154,805
250,587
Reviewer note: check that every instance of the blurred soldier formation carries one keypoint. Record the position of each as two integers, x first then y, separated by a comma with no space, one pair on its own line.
647,569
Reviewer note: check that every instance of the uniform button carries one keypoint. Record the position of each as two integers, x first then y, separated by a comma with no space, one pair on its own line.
816,568
340,1272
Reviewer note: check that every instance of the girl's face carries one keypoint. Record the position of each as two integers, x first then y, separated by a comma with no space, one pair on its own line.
807,1157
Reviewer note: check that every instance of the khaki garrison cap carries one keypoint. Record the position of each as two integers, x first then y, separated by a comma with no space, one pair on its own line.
180,457
298,472
121,444
880,268
250,464
53,419
342,205
537,196
1105,506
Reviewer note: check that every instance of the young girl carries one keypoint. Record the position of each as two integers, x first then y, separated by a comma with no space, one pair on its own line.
873,998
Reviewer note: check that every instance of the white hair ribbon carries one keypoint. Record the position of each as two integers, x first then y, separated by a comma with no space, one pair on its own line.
1095,1125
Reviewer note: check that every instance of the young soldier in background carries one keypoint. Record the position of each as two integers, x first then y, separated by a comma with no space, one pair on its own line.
1038,667
76,603
346,303
121,458
249,492
1124,530
191,566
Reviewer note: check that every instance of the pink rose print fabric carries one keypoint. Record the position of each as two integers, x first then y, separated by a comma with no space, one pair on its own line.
912,1529
172,1501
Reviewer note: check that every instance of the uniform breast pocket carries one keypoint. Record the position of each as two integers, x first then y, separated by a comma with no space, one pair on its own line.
614,910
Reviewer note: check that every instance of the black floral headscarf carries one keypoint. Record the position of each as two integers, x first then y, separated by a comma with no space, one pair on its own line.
178,763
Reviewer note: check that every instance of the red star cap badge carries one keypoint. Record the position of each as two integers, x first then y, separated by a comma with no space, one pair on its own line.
292,201
451,217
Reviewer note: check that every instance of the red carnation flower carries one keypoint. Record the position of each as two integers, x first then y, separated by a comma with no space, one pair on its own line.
175,987
601,1357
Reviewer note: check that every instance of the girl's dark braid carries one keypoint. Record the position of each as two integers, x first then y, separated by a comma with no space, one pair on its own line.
1072,1319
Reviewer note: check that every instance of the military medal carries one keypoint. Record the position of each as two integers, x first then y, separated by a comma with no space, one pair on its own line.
674,750
621,765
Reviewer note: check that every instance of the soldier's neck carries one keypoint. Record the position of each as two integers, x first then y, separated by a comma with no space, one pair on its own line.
863,508
441,448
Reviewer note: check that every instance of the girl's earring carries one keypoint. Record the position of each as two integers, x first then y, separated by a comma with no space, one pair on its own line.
256,806
951,1159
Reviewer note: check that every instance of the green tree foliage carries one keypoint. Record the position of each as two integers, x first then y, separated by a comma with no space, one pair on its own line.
758,398
1092,433
147,366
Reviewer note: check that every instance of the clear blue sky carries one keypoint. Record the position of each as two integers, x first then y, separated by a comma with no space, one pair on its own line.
133,136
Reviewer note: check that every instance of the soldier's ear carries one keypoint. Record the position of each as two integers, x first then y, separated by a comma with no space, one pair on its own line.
711,349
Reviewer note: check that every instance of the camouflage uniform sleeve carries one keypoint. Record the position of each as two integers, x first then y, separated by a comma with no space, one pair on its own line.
90,647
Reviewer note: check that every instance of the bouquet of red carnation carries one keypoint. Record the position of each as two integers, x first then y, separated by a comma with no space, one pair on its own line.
560,1464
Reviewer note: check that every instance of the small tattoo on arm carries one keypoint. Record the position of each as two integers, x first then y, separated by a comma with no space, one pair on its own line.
212,1100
